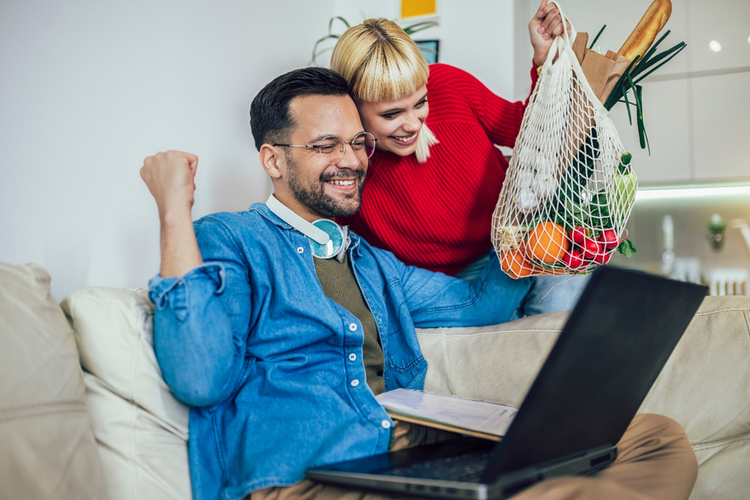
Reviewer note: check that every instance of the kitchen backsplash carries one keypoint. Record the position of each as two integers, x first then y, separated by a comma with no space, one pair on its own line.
691,238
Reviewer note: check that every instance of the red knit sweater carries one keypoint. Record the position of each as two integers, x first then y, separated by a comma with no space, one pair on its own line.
438,215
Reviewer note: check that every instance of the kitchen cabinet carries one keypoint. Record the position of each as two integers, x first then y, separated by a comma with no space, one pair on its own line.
723,21
721,126
698,129
695,107
666,115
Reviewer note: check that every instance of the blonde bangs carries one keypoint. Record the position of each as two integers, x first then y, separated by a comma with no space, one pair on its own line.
380,61
389,74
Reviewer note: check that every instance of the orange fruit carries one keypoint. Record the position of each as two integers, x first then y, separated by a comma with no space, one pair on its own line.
547,242
515,264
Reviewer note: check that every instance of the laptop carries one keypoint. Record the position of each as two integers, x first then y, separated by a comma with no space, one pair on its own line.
608,355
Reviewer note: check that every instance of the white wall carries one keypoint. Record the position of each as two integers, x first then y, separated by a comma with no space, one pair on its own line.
475,35
89,88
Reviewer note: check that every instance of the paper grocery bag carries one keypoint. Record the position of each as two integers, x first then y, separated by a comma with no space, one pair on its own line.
601,71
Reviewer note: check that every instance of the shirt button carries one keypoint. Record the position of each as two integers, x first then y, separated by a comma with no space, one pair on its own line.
386,424
352,357
355,382
353,327
300,250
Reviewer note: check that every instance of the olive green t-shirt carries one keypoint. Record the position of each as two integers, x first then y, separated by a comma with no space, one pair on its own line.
340,285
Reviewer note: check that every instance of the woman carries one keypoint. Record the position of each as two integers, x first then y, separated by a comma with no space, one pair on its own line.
431,192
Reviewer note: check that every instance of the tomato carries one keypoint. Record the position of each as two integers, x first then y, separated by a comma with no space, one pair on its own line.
578,235
573,259
608,239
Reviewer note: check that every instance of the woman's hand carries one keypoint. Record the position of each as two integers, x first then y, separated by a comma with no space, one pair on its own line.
543,28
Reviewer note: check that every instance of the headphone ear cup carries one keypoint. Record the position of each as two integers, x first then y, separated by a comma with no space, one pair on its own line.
335,244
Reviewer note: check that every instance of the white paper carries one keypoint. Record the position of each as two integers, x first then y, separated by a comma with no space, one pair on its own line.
481,416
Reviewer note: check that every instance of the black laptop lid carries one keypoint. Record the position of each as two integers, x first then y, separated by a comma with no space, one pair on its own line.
607,357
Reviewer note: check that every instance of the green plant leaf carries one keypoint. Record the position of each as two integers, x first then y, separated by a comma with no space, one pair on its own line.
415,28
316,52
330,36
626,248
337,18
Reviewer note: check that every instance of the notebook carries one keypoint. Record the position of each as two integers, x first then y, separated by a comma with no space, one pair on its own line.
606,358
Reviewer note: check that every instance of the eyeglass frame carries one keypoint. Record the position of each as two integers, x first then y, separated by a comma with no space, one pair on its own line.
343,150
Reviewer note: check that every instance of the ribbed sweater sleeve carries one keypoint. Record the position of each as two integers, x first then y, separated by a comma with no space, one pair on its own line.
438,215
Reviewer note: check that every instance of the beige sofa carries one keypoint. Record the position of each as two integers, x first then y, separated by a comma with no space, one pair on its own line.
113,429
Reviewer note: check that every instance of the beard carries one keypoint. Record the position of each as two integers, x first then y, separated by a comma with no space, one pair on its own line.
314,197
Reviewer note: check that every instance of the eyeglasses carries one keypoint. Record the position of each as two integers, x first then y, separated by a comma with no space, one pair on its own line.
333,147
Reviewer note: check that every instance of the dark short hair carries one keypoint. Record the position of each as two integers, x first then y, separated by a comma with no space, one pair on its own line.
270,118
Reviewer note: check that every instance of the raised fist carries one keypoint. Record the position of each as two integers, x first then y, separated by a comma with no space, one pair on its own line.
170,177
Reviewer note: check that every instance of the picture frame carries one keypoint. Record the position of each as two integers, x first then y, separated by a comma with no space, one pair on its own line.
420,10
430,49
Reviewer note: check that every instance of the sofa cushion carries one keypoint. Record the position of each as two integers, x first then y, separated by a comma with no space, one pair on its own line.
141,429
47,448
493,363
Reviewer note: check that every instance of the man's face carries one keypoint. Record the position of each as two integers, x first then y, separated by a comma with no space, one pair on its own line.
321,189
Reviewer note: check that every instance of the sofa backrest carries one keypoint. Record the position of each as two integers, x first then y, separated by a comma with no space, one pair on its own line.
47,448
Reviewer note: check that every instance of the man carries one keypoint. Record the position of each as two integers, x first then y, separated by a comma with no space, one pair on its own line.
280,352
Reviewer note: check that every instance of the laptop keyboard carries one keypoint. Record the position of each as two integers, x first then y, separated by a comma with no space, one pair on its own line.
464,468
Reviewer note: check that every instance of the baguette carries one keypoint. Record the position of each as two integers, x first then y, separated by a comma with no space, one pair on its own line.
645,32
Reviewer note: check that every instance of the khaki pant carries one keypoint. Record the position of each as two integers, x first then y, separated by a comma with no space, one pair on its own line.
655,461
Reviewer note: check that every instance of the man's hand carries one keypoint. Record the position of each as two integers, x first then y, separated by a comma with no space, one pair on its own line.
543,28
170,177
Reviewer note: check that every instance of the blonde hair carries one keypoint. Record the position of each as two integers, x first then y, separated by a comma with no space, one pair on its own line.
381,62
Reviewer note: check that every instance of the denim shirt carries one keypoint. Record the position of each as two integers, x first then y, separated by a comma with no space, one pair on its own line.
273,369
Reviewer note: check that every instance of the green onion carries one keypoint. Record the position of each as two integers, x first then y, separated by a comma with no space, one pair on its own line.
597,37
638,69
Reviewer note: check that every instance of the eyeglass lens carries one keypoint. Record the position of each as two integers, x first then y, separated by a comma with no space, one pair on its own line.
336,146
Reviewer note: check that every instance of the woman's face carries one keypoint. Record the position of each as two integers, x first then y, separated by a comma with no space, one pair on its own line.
396,124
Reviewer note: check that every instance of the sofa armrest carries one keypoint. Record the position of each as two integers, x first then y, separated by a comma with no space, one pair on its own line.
47,448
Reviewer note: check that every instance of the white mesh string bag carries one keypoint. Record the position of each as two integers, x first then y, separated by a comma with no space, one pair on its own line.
566,196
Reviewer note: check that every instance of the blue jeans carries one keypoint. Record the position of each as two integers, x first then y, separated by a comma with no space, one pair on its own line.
547,293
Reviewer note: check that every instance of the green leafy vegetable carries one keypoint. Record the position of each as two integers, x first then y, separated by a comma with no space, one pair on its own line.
626,248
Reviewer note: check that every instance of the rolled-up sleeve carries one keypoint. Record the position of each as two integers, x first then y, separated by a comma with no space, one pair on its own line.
200,328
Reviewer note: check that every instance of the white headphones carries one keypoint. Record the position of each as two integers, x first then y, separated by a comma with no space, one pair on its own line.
327,239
